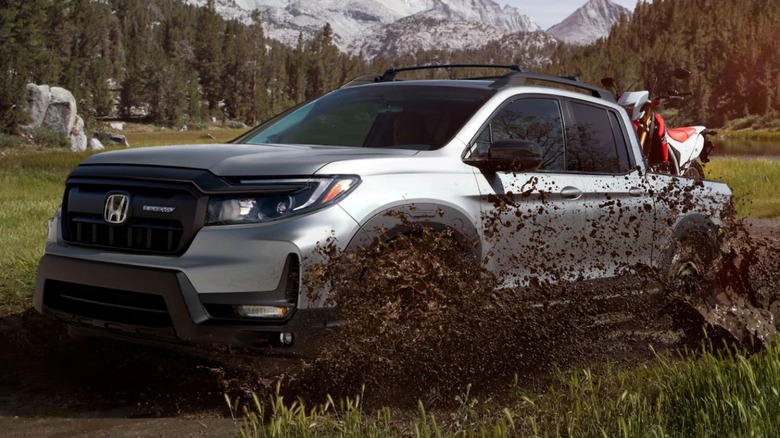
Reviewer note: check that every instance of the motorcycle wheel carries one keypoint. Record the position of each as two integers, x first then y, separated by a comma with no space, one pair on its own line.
694,171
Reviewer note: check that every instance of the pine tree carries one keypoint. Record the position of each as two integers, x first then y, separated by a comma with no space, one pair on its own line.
22,53
259,93
208,55
139,44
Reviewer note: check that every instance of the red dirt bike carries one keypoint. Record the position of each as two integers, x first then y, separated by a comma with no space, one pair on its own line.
677,151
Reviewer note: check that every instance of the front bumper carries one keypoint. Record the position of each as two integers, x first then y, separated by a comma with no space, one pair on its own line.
142,304
190,298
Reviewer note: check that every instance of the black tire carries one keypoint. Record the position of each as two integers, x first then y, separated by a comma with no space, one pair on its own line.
688,291
694,171
692,258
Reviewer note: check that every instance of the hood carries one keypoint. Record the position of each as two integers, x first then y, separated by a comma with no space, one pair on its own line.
243,160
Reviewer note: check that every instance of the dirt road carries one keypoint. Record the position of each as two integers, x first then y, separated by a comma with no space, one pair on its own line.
52,385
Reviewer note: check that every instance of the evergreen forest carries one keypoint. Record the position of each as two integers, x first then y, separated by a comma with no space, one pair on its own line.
176,64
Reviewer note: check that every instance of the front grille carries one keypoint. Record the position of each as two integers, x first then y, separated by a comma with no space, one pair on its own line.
161,218
144,235
105,304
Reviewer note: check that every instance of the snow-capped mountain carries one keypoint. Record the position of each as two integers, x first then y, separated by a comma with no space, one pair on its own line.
395,27
588,23
383,26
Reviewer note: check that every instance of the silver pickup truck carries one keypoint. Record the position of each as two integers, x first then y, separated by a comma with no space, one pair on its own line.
210,244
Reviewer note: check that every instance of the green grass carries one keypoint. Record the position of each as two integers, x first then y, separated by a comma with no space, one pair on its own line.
716,394
755,184
31,187
161,138
749,134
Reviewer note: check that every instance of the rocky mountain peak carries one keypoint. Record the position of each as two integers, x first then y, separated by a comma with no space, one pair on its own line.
363,26
591,21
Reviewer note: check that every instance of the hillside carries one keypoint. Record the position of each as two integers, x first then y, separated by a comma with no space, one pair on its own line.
729,45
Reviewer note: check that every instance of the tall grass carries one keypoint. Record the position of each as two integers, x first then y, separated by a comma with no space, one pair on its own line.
755,184
719,394
723,393
31,187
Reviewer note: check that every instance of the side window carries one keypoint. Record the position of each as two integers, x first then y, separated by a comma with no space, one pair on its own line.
535,119
595,143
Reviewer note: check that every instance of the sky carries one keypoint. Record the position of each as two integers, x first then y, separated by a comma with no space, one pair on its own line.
549,12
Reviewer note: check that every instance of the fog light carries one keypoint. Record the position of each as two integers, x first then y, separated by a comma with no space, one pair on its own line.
262,311
286,338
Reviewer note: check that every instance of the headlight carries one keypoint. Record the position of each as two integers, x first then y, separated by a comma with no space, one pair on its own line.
281,199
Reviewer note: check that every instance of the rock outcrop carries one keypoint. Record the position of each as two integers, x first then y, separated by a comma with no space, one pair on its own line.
54,108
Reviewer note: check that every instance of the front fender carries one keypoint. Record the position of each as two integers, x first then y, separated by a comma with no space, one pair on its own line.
404,219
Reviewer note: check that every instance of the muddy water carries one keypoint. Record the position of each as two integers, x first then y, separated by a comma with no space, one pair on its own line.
743,148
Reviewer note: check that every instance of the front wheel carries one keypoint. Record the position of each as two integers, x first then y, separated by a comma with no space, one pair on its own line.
694,171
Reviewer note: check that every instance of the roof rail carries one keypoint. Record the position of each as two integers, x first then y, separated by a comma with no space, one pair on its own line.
514,78
520,78
390,74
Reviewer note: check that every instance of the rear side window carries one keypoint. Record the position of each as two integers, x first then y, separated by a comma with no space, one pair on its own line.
595,143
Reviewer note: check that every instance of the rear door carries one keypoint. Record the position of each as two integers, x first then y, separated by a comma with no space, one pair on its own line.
582,214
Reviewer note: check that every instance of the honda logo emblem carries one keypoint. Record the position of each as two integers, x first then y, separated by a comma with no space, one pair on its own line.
116,209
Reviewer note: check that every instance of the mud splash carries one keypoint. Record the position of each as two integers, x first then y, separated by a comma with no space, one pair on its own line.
422,316
737,287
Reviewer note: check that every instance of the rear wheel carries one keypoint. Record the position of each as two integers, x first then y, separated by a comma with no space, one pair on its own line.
692,259
694,171
688,291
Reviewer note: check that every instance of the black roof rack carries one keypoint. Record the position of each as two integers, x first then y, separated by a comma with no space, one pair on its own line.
390,74
514,78
520,78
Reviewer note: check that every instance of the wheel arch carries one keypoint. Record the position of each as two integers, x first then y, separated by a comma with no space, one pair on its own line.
408,218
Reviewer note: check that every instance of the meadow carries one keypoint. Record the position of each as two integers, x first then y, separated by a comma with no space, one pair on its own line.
712,392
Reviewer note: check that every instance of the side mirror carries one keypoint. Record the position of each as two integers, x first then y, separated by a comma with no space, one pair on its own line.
510,155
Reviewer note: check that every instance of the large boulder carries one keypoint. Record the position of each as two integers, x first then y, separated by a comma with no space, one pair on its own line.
54,108
48,107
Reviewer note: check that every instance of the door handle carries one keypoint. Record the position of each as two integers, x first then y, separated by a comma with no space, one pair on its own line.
570,192
636,191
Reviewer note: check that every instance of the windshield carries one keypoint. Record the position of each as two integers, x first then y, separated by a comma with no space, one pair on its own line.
421,117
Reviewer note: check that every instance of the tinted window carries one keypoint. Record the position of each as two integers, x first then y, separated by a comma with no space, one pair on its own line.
595,143
534,119
406,116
